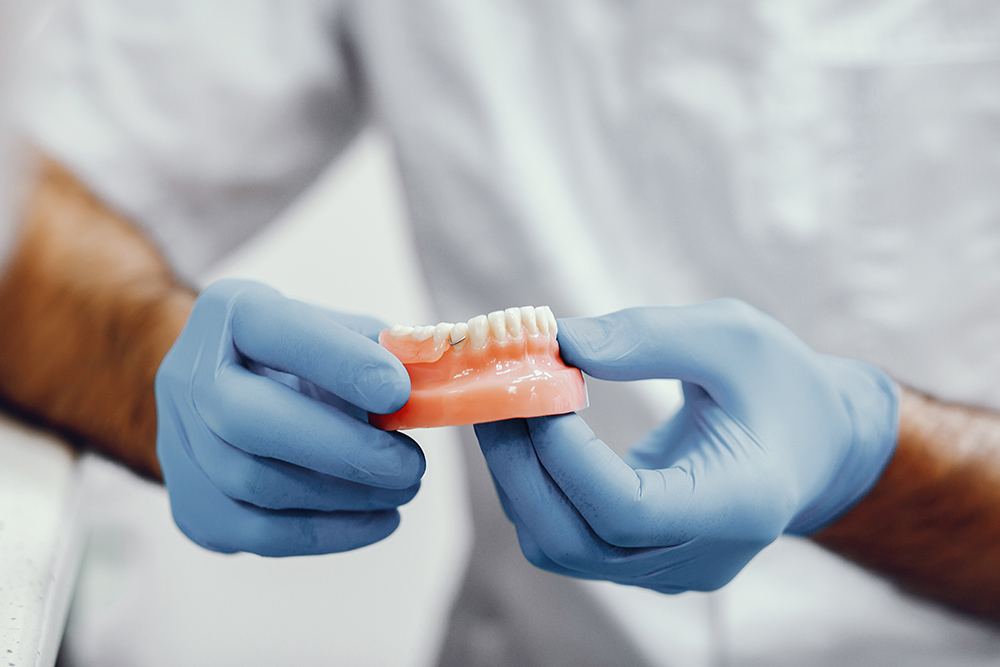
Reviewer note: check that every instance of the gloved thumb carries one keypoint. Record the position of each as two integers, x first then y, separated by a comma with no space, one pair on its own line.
711,345
616,346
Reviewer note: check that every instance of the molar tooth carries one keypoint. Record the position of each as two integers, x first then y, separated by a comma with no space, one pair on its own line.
423,333
459,333
544,313
442,331
498,324
513,317
400,330
479,329
542,319
528,320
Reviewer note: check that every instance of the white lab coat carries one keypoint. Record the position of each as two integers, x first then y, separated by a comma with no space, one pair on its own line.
15,18
834,163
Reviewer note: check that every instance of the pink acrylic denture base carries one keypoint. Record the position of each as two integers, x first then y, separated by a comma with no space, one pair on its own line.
516,377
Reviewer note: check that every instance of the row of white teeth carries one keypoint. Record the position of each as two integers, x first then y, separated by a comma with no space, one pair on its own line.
501,324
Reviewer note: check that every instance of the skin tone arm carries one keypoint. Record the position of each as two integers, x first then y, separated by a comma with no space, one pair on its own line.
932,523
91,312
90,309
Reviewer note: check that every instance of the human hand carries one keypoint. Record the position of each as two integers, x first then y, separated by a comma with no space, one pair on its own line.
262,433
773,437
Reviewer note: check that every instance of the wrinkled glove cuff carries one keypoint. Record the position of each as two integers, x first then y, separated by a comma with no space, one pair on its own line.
874,413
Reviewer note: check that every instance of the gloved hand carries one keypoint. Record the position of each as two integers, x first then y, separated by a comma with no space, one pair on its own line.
262,432
773,437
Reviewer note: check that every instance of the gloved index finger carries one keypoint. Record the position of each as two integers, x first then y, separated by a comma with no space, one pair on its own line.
536,504
303,340
625,507
268,419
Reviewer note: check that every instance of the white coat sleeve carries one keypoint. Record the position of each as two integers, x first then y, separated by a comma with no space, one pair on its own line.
15,17
198,120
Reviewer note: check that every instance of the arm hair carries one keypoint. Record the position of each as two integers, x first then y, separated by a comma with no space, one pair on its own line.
89,309
932,522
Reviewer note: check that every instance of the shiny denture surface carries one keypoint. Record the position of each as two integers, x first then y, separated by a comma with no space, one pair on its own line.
497,366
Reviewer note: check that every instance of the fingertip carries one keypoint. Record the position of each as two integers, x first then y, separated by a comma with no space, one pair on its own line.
381,524
332,350
605,347
386,388
408,466
408,494
420,465
378,526
579,336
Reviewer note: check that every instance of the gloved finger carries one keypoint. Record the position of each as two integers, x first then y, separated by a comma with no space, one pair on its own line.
540,506
662,568
724,346
296,338
670,506
215,521
306,388
273,484
673,568
530,547
696,565
267,418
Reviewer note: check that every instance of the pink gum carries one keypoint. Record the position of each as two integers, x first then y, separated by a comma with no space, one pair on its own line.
519,377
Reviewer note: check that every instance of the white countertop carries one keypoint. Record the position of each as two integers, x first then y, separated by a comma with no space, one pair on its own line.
40,542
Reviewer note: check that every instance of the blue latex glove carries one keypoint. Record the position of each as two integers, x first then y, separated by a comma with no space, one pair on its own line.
773,437
262,432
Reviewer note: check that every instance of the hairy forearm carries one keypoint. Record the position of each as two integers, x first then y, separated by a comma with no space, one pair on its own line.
932,523
89,310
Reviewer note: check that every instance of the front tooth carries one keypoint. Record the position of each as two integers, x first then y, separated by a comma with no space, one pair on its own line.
544,313
498,324
442,331
528,320
513,316
400,330
543,320
423,333
479,329
459,333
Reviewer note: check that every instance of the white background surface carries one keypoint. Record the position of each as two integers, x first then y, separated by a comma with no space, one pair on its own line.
40,542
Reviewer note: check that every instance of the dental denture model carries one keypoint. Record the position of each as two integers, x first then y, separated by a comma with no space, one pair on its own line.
497,366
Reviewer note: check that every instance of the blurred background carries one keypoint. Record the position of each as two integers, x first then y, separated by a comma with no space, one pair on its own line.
830,163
